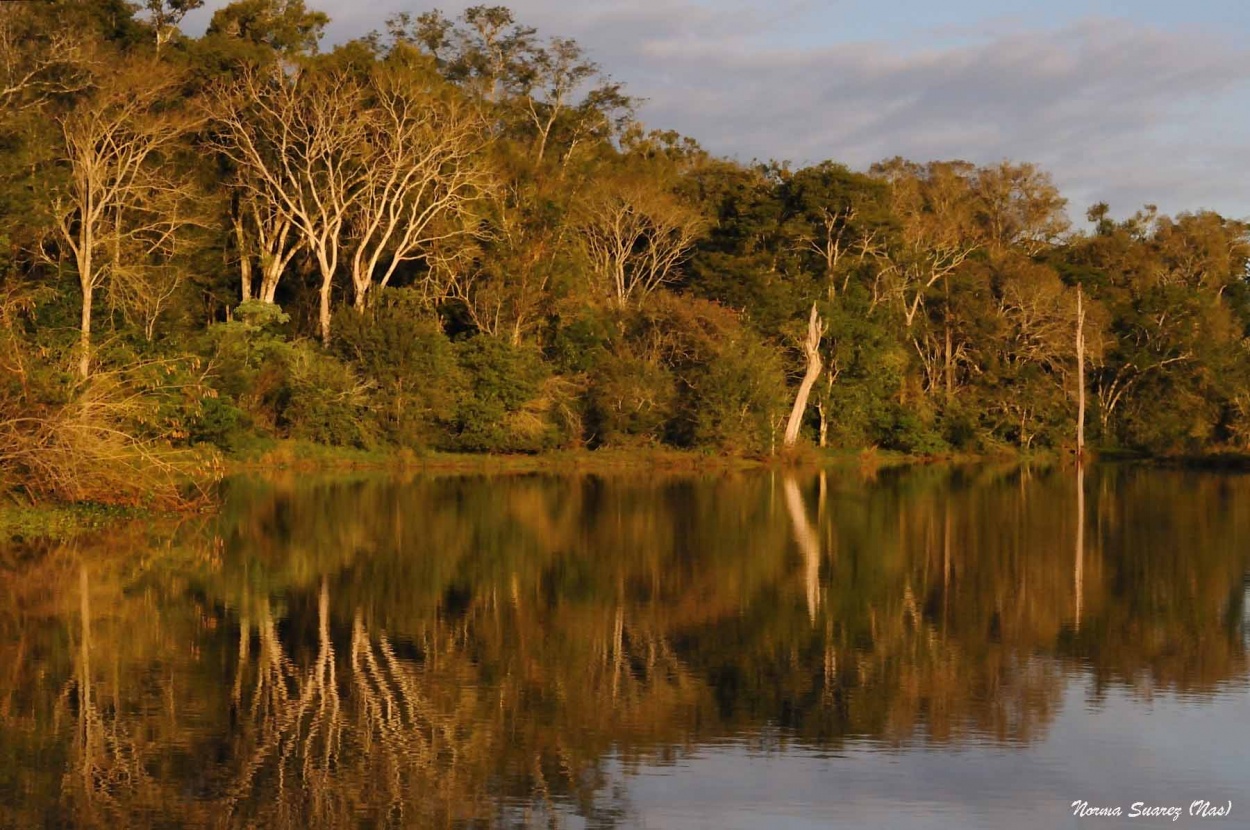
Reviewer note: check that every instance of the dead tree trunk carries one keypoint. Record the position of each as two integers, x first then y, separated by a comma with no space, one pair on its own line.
815,330
1080,376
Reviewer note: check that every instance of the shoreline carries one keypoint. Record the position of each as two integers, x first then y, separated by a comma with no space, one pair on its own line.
63,521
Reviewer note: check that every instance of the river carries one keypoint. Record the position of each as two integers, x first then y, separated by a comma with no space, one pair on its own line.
985,646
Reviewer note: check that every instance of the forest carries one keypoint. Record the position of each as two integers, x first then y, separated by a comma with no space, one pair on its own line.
455,235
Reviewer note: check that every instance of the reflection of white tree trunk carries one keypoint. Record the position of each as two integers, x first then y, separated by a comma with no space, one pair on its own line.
618,650
86,710
109,763
809,543
1079,569
946,562
308,727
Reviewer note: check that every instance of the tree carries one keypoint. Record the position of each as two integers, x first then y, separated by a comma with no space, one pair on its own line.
505,276
286,27
422,171
550,79
837,219
1019,208
120,199
635,235
38,59
1080,375
935,205
265,236
298,140
811,349
166,15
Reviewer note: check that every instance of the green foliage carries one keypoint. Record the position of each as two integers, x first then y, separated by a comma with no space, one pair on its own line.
534,319
735,399
502,410
323,400
283,388
417,383
631,400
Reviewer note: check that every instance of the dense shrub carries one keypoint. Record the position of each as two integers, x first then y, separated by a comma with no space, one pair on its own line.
417,383
736,398
630,400
502,409
283,388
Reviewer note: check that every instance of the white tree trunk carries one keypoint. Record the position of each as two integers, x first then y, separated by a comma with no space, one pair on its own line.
815,330
1080,376
84,358
87,280
245,260
1078,576
324,315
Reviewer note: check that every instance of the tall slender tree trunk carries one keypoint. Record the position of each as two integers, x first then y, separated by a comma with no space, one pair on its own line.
815,330
245,260
1078,569
950,363
87,280
84,357
327,264
324,312
1080,376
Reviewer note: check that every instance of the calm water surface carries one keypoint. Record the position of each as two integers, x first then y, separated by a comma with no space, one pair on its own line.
926,648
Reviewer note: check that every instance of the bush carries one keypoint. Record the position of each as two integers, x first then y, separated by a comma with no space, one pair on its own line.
247,365
630,400
324,400
502,409
285,389
417,383
736,398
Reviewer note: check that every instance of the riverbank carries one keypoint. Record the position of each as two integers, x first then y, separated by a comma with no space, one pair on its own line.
60,522
22,523
308,457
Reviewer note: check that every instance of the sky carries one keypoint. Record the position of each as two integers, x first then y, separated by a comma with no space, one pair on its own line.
1124,102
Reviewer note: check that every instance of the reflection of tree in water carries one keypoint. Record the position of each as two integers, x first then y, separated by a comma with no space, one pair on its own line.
423,739
470,652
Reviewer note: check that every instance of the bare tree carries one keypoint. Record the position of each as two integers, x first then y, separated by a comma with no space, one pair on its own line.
1080,375
298,141
266,238
502,277
635,237
119,196
421,174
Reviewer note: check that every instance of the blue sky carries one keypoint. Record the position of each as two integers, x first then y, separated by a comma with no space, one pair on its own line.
1128,102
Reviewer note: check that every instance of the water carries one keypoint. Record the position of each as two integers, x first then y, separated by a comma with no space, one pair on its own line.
928,648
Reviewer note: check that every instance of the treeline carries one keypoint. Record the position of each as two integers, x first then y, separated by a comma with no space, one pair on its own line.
454,234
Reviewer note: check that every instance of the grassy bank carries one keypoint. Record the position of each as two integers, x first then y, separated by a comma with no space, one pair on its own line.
300,455
33,523
306,456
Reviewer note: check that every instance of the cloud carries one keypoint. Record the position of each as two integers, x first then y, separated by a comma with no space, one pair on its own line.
1116,110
